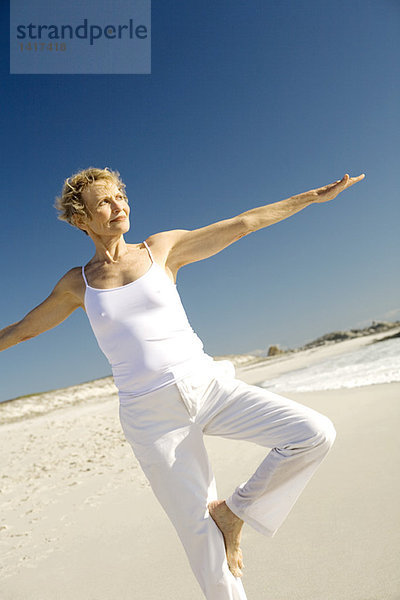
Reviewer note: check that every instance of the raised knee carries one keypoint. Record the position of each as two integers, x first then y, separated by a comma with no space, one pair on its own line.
319,434
326,433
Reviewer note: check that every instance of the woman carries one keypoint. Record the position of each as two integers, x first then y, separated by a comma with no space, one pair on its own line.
171,392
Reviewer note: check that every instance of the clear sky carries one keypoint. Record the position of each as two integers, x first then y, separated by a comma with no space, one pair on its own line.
248,103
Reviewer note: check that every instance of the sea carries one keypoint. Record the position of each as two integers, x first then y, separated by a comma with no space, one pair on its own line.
369,365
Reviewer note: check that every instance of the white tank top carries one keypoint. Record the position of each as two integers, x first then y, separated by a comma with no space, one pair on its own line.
143,330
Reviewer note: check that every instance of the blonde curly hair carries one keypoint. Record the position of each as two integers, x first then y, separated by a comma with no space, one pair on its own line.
71,201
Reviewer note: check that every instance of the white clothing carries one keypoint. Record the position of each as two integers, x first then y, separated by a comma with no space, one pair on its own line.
171,393
165,429
143,330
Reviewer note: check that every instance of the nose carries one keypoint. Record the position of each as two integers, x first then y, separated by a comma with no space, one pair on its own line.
117,205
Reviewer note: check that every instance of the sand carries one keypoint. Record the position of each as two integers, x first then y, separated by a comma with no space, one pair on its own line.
79,521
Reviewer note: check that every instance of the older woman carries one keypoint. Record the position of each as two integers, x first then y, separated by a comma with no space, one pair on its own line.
171,392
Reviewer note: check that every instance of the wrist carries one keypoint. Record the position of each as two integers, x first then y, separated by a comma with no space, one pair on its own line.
304,199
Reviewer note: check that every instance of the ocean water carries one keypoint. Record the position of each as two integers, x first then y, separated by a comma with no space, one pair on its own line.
371,364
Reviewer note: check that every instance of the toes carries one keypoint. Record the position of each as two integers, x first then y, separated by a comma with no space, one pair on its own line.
240,560
236,572
236,564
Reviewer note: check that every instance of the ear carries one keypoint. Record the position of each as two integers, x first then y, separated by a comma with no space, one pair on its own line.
78,221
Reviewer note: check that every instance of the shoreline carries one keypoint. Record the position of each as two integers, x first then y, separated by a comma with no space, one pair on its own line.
285,363
103,389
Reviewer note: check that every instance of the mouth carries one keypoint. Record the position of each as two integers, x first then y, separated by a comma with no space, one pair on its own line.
118,219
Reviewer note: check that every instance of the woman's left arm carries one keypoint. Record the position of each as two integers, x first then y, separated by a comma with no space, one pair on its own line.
187,246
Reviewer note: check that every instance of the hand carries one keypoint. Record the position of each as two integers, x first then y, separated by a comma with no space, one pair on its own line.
328,192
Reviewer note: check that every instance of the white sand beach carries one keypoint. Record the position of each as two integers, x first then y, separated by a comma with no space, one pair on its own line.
79,521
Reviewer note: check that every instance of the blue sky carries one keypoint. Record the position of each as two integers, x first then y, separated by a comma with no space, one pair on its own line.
248,103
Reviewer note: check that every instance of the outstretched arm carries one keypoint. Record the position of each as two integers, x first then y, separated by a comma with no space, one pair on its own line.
51,312
185,246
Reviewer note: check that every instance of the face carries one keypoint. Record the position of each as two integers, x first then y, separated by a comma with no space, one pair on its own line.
108,207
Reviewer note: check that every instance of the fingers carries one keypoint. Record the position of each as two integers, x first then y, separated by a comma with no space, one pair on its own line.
328,192
347,181
353,180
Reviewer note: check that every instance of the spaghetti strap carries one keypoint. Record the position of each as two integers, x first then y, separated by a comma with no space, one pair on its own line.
83,275
151,256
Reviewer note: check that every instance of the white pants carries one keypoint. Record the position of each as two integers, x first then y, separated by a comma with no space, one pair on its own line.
165,429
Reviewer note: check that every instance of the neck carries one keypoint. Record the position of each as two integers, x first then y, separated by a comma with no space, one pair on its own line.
110,250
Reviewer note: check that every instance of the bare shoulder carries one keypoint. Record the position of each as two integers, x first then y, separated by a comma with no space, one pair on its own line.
161,245
72,283
162,242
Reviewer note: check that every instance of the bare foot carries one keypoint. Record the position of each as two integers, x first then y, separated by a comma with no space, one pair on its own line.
231,527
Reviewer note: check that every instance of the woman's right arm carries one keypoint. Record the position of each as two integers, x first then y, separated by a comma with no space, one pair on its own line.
51,312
